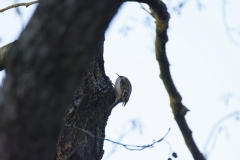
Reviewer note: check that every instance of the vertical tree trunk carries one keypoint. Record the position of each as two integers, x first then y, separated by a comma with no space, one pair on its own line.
87,112
42,70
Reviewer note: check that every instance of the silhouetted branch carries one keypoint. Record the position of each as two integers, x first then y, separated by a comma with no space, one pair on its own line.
18,5
179,110
127,146
161,15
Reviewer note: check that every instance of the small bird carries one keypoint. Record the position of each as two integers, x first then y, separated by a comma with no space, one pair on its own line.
123,89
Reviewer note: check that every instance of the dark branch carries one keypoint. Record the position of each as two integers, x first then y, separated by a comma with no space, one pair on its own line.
161,15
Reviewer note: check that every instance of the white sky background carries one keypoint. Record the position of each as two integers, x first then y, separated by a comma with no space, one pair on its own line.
205,66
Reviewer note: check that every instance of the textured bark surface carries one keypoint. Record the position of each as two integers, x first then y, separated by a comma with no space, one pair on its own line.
87,112
42,70
45,66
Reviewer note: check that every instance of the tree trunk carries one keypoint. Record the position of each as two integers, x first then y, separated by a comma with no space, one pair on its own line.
87,112
42,70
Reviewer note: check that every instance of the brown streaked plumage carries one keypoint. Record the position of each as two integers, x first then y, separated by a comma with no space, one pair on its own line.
123,90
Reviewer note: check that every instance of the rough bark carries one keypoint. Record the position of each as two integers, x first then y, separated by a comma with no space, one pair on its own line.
87,112
47,63
43,68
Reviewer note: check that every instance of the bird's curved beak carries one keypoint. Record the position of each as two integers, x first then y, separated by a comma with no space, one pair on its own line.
117,74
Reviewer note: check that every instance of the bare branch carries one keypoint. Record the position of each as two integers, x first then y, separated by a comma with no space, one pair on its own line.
18,5
179,110
161,15
139,147
127,146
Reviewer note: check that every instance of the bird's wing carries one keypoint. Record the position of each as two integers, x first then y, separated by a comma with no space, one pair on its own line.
126,88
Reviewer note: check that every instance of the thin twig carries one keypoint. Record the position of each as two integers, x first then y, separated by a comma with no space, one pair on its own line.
127,146
217,124
227,27
170,151
18,5
136,146
142,7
